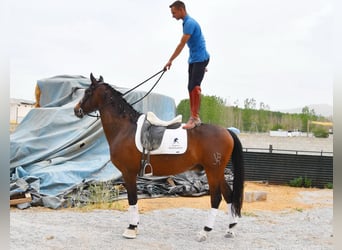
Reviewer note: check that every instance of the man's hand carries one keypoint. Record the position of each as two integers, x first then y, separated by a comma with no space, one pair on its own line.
167,65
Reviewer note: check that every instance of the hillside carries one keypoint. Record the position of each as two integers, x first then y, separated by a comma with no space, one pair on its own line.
325,110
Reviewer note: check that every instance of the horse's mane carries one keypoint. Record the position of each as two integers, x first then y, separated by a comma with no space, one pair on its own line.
123,106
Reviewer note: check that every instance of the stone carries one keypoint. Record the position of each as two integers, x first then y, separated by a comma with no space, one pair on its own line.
252,196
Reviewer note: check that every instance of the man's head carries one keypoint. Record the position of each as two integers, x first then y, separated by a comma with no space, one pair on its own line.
178,10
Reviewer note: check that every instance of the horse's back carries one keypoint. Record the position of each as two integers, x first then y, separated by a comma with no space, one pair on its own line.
211,138
210,130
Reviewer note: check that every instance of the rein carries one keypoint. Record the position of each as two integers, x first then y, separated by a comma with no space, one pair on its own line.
138,85
162,73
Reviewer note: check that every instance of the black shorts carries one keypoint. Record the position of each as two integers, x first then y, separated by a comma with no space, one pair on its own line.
196,74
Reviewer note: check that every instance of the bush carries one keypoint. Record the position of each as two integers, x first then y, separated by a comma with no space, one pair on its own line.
321,133
297,182
301,182
307,182
95,194
277,127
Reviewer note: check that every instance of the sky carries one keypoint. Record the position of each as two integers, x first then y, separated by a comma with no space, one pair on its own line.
274,51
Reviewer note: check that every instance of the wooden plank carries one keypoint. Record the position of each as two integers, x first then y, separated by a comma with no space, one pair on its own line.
21,199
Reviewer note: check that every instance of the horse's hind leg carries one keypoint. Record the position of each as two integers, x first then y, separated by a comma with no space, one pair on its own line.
227,195
215,199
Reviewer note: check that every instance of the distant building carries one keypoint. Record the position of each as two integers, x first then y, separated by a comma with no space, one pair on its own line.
18,110
285,133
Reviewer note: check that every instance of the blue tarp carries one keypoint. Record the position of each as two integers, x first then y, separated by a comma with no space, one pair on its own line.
235,130
55,151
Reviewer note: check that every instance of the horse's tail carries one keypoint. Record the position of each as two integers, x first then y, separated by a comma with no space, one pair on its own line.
239,174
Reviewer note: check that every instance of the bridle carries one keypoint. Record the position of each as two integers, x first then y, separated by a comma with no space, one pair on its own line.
85,98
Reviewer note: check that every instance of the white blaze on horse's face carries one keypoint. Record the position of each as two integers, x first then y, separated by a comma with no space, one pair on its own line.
78,110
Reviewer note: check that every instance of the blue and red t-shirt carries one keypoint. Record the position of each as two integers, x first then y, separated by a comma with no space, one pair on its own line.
196,42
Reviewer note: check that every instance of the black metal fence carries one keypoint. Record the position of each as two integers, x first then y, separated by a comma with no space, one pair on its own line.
282,166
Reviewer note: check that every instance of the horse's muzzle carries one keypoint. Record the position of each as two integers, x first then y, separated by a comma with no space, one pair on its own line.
78,111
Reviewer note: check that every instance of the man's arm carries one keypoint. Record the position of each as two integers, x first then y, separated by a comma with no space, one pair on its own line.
178,50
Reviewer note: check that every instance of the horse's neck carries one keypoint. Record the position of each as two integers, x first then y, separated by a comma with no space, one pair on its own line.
114,123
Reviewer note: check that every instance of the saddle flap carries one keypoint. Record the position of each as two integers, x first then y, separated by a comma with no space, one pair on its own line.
151,135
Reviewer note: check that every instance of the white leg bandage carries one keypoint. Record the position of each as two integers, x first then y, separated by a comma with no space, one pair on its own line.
211,217
133,213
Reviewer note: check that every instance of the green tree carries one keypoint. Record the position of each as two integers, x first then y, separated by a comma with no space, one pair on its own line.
212,110
248,119
306,116
183,108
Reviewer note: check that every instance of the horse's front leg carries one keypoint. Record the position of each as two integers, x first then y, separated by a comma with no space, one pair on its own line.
133,211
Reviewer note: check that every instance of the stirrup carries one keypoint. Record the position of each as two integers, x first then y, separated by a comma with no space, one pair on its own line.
143,171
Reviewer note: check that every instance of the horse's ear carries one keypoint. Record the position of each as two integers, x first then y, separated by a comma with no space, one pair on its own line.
92,79
101,79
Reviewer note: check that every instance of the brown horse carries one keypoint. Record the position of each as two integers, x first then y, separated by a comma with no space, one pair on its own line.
210,147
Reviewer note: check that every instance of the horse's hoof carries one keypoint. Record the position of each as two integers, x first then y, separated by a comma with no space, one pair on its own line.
229,234
201,236
130,233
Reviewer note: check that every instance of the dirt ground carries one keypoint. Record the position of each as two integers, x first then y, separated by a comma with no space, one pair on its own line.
278,198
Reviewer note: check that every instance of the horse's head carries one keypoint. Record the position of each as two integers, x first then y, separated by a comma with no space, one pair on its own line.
91,99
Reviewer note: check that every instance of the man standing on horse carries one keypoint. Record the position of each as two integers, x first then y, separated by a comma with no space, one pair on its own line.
198,59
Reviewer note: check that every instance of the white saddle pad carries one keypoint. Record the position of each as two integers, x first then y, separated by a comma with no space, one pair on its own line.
175,141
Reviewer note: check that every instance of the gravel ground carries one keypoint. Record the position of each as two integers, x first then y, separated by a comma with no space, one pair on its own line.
174,229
